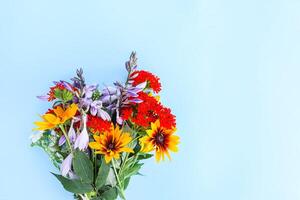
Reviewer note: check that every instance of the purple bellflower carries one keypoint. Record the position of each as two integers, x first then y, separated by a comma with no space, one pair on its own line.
95,106
66,165
82,139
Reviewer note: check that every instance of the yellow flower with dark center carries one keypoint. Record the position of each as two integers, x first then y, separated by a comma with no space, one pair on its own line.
111,143
57,117
161,140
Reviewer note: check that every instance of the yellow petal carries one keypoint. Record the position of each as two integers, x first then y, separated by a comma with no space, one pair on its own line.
127,149
150,132
148,147
155,125
173,147
43,126
107,158
146,144
125,138
168,154
169,131
174,140
94,145
116,156
51,118
158,156
99,152
97,138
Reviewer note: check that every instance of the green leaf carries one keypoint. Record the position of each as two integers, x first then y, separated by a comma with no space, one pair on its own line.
121,194
63,94
104,188
102,174
74,186
126,183
137,148
130,171
110,194
144,156
97,198
66,96
58,93
126,128
83,167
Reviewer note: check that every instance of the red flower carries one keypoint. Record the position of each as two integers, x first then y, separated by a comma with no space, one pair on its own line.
150,110
142,76
166,118
126,113
97,124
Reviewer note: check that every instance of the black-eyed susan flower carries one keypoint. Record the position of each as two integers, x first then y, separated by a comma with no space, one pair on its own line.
56,117
111,143
161,140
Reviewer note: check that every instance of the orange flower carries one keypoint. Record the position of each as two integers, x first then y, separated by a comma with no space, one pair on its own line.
59,116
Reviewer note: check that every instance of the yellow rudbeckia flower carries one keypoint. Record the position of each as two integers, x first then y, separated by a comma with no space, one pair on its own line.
111,143
59,116
161,140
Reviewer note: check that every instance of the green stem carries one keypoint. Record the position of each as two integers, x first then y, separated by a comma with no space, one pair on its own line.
136,138
95,164
84,197
118,179
66,136
135,158
125,160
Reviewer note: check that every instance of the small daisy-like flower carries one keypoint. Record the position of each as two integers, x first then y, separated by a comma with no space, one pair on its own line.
161,140
57,116
111,143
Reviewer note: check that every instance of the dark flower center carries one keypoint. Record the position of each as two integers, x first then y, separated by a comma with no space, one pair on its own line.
111,146
160,138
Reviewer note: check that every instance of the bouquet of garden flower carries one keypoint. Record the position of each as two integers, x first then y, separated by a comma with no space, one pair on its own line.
97,138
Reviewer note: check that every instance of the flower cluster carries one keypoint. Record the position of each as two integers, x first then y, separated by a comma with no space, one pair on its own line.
144,76
98,137
151,110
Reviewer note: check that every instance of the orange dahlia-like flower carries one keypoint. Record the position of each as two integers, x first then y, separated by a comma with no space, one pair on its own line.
111,143
161,140
56,117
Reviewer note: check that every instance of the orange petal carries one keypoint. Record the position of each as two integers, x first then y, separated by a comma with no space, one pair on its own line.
70,111
59,111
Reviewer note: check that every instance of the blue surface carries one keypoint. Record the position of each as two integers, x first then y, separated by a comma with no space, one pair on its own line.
230,71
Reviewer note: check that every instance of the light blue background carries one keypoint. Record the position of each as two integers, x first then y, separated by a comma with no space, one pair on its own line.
230,71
